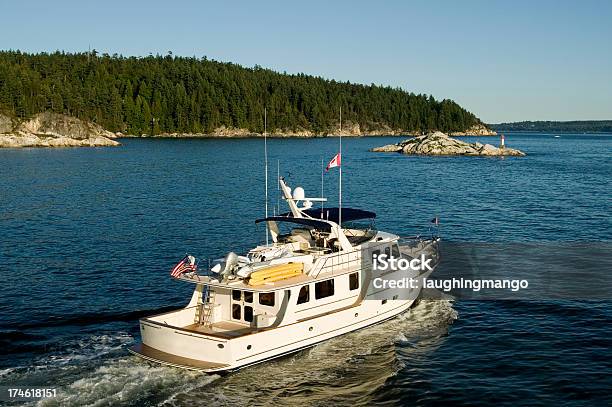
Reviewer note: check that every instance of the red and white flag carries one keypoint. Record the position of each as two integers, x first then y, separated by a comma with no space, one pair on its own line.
183,266
335,162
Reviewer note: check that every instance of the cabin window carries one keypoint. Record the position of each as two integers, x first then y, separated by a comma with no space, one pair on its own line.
388,251
375,254
395,251
248,297
304,295
248,313
266,299
324,289
353,281
236,314
236,295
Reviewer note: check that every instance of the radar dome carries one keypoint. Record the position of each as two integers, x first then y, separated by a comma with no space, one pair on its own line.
298,193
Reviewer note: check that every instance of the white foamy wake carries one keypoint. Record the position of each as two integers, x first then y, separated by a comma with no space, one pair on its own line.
86,349
127,380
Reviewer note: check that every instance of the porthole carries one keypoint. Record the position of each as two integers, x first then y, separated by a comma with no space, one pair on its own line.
248,347
356,314
310,329
220,346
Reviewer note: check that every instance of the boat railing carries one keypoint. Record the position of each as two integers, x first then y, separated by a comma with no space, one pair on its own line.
339,262
342,261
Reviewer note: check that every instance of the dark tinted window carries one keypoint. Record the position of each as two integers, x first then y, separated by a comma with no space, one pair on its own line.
236,295
375,254
248,313
248,297
353,281
388,251
324,289
266,299
236,311
396,252
304,295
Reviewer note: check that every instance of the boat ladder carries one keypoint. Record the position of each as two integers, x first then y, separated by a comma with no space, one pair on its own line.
204,310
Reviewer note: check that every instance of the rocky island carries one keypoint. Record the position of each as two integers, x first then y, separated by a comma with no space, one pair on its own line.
439,143
52,130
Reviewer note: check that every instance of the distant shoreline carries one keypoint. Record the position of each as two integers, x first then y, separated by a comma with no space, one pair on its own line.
574,126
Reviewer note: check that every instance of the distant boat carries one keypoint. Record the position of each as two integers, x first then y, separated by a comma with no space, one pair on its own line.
556,136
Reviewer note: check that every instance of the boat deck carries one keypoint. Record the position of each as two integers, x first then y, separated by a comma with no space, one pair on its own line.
154,355
223,329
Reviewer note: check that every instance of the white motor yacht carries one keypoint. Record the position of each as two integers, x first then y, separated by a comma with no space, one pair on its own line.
313,282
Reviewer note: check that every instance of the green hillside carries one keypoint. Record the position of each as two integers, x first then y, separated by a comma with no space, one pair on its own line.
165,94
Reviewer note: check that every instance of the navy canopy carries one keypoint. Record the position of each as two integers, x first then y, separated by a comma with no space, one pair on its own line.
348,214
317,224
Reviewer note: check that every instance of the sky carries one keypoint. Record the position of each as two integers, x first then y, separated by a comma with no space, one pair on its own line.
502,60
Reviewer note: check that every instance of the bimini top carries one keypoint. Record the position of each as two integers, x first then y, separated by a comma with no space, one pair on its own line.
315,223
348,214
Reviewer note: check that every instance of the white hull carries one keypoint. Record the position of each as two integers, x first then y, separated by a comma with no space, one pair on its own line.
181,347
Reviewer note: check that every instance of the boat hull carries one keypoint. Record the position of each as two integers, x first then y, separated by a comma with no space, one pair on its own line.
190,350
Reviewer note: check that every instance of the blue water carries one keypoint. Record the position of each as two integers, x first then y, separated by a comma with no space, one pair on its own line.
88,236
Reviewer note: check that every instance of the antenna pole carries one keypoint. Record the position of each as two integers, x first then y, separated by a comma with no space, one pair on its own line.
266,164
322,193
340,179
278,187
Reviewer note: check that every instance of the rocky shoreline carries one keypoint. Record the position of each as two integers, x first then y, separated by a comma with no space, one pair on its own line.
440,144
58,130
475,130
348,130
52,130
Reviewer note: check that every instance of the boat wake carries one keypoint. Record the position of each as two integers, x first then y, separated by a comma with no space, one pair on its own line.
346,370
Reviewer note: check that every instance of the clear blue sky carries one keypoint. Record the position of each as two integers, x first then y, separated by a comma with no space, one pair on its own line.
503,60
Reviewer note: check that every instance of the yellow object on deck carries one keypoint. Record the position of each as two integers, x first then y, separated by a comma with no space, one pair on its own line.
276,273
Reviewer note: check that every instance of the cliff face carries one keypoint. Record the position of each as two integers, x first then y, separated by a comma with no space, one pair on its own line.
52,130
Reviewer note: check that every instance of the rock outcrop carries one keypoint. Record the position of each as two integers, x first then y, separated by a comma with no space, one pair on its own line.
52,130
475,130
440,144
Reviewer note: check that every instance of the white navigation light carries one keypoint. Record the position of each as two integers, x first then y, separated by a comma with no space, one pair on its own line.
298,193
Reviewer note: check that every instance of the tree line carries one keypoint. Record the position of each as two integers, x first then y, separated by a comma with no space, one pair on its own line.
168,94
575,126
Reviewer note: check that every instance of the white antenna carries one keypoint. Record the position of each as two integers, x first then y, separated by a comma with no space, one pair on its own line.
278,187
340,180
266,164
322,193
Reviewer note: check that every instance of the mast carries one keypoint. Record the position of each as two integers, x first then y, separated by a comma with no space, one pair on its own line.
340,178
322,193
266,165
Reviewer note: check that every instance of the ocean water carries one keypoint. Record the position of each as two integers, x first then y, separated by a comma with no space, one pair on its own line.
88,237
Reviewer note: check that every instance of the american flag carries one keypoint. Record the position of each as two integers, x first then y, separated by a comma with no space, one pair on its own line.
183,266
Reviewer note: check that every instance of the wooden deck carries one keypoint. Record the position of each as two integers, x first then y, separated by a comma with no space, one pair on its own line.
154,355
223,329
